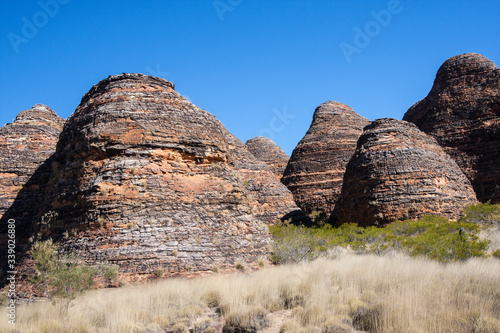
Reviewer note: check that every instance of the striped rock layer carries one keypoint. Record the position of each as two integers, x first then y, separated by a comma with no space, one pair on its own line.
24,145
143,178
316,168
397,173
462,111
267,151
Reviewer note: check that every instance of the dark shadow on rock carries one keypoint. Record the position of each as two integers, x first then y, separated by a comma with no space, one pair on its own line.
26,212
297,217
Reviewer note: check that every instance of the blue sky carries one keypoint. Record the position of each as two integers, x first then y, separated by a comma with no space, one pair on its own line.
260,66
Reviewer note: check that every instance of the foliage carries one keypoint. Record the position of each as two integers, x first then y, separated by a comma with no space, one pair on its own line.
434,237
158,272
109,274
71,278
496,254
482,213
45,256
63,276
440,239
293,244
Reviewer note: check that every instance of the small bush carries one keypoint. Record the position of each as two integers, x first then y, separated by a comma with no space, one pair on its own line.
109,273
482,214
250,320
368,318
496,254
211,299
319,218
158,273
62,276
293,245
239,266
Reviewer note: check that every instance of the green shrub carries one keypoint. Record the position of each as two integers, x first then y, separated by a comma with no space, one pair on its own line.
439,239
319,218
496,254
293,244
62,276
109,273
482,213
434,237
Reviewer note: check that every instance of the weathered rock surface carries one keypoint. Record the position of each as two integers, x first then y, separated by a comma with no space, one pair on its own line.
267,151
24,145
143,178
462,111
399,172
316,168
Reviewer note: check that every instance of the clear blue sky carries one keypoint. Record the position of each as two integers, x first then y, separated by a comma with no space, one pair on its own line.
260,66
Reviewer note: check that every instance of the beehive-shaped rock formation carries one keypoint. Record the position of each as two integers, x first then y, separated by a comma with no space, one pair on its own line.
399,172
24,145
316,168
267,151
462,111
143,178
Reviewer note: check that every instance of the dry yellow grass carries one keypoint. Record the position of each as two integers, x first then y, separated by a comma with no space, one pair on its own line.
370,293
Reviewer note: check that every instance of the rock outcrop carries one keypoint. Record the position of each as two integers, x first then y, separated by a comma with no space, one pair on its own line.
24,145
316,168
462,111
399,172
267,151
143,178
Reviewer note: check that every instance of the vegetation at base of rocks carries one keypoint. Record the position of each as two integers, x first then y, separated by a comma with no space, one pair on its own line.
353,292
158,272
239,265
62,276
485,213
434,237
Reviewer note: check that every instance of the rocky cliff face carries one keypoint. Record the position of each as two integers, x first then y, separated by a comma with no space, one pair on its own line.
316,168
267,151
399,172
24,145
462,111
143,178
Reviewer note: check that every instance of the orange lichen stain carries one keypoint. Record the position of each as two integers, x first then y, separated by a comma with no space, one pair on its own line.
165,154
110,191
7,175
133,136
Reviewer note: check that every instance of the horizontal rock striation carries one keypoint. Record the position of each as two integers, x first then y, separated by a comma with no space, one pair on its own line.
143,178
316,168
462,111
267,151
397,173
24,145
